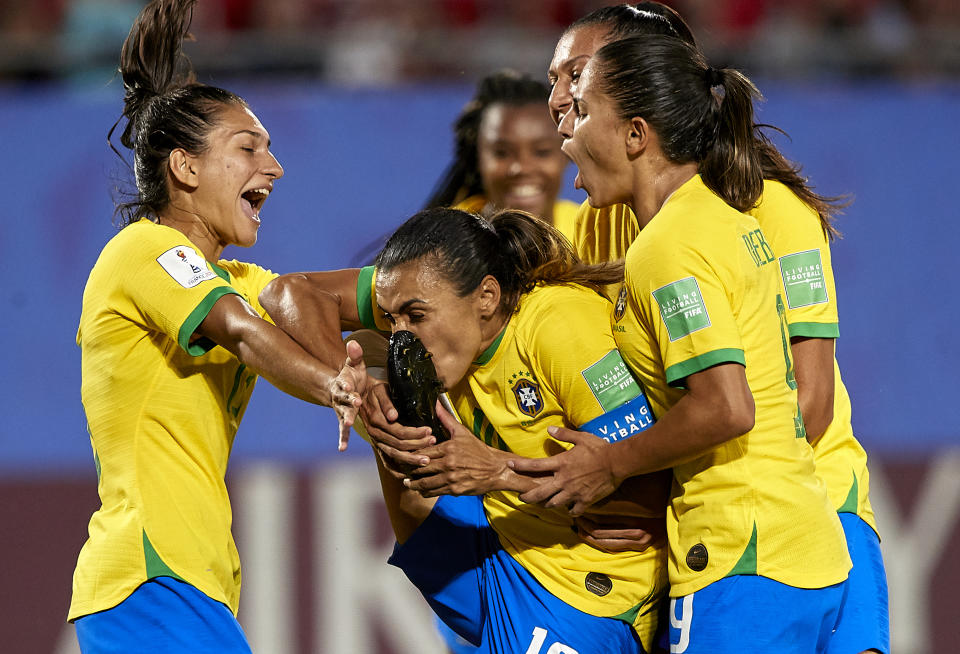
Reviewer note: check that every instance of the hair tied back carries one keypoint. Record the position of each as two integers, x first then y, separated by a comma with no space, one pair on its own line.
714,77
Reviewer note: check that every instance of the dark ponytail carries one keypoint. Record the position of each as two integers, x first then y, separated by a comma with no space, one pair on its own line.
164,106
731,163
516,248
700,114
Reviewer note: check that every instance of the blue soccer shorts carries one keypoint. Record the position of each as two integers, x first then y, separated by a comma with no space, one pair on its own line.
163,616
456,561
864,620
747,613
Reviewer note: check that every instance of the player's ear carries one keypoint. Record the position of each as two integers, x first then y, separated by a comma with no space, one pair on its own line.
183,168
637,136
489,296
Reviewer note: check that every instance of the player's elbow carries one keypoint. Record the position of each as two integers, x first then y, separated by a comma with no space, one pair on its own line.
735,415
280,292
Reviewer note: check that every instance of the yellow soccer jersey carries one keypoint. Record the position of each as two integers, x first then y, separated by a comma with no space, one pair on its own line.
701,289
555,363
602,235
162,411
564,213
794,232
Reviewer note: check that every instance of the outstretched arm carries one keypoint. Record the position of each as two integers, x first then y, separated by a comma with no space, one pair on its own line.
234,325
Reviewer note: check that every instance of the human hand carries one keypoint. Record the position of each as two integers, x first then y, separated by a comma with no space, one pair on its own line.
620,533
463,465
346,391
579,477
395,441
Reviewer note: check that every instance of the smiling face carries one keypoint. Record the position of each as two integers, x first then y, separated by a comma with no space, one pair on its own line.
570,57
414,296
232,178
519,158
596,141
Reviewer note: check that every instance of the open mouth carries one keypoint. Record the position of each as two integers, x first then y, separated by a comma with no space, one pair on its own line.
254,199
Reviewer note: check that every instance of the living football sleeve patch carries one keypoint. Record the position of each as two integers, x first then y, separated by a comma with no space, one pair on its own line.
185,266
682,308
802,274
626,411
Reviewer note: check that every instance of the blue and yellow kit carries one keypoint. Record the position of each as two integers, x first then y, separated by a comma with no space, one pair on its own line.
810,297
162,410
555,363
702,289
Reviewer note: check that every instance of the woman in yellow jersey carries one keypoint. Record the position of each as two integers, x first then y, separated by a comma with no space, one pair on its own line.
700,321
797,224
507,154
163,402
520,337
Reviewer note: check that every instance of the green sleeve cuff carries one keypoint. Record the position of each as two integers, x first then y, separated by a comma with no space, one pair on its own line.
680,371
365,303
814,330
189,326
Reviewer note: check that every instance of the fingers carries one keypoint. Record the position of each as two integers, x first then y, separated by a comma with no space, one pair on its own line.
545,491
413,460
384,403
344,434
354,354
547,464
569,435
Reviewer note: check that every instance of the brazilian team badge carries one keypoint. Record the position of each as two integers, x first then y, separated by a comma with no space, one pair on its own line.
620,308
529,399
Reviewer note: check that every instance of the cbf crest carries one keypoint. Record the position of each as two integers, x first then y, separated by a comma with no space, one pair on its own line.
621,305
527,393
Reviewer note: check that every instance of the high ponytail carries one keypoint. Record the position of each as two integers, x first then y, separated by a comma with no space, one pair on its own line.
700,114
164,106
516,248
731,163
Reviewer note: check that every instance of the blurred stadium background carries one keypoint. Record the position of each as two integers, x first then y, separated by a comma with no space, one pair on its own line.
359,96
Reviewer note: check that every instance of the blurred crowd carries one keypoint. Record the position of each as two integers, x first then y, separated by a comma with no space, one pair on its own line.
365,42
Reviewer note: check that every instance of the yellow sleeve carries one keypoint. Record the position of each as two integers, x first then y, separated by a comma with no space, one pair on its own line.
250,279
574,355
803,255
171,285
688,306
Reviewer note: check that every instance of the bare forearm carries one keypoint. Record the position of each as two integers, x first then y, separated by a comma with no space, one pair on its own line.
717,407
309,314
268,350
814,367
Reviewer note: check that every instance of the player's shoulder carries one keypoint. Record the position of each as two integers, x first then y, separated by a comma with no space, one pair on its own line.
783,215
552,311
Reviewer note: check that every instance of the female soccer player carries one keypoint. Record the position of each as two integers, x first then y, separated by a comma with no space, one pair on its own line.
520,336
797,223
507,154
699,320
163,402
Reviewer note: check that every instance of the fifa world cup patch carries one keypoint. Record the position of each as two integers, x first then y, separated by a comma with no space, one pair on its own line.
682,308
802,274
527,393
185,266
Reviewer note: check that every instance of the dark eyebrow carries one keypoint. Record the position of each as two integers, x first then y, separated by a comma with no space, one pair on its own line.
403,307
571,62
566,64
256,135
